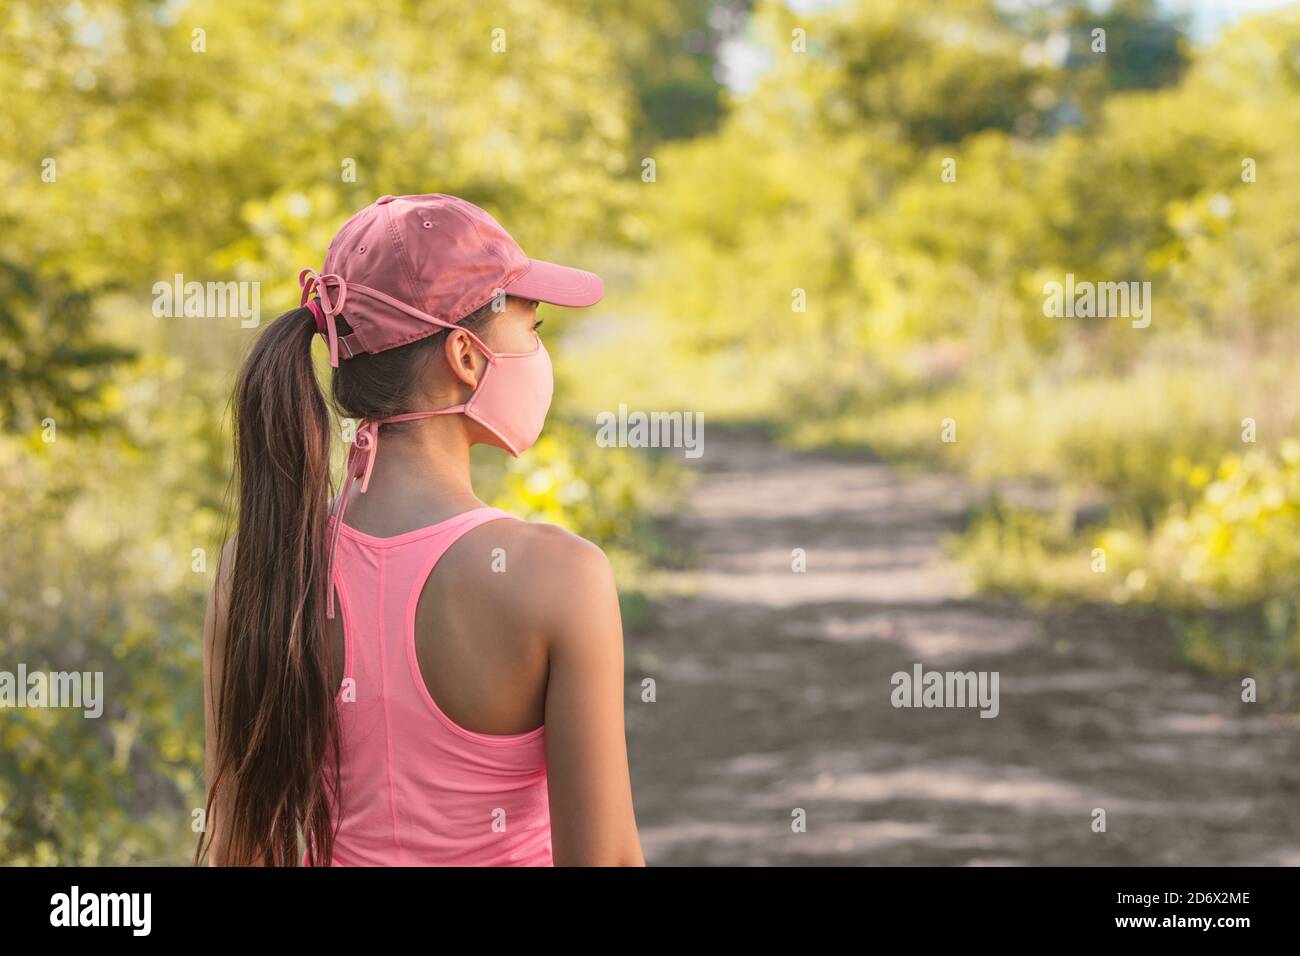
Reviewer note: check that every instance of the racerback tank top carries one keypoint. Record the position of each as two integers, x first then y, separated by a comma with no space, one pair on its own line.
417,788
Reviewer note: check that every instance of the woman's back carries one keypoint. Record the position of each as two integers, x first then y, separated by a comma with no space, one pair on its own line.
418,787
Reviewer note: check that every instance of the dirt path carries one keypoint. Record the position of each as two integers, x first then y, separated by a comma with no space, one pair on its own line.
773,693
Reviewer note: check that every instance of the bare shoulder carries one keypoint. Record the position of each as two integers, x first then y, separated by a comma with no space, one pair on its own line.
551,549
548,574
537,556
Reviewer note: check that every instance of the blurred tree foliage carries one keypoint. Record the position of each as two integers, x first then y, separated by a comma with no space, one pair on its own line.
51,356
228,141
671,50
885,209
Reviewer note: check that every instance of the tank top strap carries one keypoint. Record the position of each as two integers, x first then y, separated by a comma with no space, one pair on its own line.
467,521
413,565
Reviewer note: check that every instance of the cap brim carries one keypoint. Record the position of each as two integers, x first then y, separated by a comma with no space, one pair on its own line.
558,285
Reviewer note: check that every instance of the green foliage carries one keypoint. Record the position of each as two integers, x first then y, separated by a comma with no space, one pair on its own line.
1223,559
916,178
670,50
99,573
1238,541
52,359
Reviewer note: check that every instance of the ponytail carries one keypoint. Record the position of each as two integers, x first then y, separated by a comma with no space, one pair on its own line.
275,719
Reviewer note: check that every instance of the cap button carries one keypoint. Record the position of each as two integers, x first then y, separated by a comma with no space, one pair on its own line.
383,199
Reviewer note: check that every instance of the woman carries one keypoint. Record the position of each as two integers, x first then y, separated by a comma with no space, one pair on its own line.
456,696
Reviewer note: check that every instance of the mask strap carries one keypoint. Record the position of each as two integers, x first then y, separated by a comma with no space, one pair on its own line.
361,462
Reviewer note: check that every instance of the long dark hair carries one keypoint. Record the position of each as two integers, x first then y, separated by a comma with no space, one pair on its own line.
277,732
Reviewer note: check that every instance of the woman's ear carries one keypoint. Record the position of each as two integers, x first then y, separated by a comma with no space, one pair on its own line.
463,357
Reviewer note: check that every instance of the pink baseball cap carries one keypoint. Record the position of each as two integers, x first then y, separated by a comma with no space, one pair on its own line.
405,267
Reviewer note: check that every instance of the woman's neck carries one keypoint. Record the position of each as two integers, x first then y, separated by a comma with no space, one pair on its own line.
421,476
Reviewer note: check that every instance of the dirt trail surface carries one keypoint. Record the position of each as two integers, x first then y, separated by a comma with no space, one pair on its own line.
773,693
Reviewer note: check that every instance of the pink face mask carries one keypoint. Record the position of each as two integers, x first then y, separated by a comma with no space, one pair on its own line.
512,397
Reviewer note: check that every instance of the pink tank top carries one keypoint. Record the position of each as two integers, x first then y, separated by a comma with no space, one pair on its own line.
417,788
